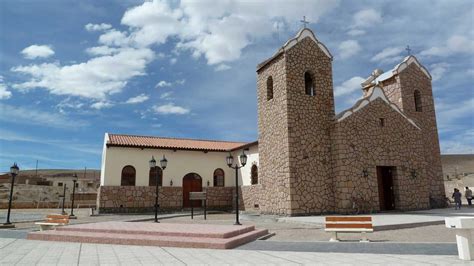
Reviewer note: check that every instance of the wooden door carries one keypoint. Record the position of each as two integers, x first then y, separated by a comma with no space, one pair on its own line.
191,183
385,186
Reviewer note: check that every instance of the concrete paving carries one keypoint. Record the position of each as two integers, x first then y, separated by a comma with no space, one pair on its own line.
29,252
393,220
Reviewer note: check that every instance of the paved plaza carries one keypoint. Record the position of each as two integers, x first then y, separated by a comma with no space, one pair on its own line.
30,252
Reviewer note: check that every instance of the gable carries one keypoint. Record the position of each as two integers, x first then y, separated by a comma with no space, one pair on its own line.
377,93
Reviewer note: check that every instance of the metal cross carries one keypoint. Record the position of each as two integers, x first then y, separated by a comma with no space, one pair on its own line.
408,49
304,21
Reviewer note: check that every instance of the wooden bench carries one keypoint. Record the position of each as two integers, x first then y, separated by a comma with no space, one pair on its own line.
349,224
53,220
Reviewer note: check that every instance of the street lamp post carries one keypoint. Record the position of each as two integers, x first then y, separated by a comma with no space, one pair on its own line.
243,162
14,170
64,200
74,180
163,163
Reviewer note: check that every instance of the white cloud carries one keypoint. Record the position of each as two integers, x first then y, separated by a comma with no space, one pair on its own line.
349,48
437,70
96,78
180,81
138,99
30,116
163,84
388,55
4,92
349,86
218,33
356,32
101,105
114,38
367,18
166,95
173,60
455,44
97,27
102,50
37,51
170,108
68,103
222,67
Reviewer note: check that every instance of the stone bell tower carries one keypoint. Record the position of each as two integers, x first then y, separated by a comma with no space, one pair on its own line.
295,114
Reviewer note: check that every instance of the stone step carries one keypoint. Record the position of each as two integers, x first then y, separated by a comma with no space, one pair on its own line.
147,239
161,229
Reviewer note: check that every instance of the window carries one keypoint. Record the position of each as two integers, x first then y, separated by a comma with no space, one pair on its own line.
269,88
418,104
152,176
382,122
128,176
219,177
254,175
60,184
308,84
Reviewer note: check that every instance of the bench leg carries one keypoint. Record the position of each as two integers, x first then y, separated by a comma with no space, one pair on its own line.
334,237
464,242
363,237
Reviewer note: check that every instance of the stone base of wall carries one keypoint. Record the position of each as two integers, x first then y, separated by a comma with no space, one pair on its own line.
249,198
131,199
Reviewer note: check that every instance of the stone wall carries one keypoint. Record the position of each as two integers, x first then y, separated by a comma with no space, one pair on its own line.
142,198
360,142
249,200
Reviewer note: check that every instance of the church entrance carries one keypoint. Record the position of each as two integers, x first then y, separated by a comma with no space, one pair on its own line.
192,182
385,185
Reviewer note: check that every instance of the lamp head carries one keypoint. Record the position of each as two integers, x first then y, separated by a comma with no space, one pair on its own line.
14,169
163,162
230,160
243,158
152,162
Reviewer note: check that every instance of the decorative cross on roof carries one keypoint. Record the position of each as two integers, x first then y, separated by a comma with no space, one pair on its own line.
304,21
408,49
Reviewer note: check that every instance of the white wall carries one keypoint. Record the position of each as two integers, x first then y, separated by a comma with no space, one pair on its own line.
244,172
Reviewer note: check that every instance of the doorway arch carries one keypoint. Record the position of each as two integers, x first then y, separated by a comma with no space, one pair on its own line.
192,182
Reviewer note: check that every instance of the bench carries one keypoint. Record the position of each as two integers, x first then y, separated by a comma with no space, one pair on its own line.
349,224
53,220
464,226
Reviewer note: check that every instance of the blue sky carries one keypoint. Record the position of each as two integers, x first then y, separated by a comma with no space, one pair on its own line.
72,70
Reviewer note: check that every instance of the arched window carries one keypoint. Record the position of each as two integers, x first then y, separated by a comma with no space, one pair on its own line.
219,177
308,84
128,176
152,176
254,175
269,88
418,104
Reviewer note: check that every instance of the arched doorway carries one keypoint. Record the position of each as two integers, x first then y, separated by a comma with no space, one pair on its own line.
192,182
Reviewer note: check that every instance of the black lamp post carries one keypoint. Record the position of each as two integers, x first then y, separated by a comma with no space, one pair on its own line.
74,180
230,161
163,163
64,200
14,170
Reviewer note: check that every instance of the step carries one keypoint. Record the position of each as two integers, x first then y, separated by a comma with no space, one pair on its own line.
161,229
147,239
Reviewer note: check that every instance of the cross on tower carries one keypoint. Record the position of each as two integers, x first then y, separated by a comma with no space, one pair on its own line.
408,49
304,21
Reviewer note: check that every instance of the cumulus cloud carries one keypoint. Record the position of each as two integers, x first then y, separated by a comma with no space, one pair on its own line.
138,99
101,105
163,83
367,18
166,95
170,108
222,67
349,48
349,86
37,51
4,92
388,55
96,78
102,50
438,70
455,44
97,27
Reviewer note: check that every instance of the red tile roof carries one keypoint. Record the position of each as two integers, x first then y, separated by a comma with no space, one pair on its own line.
172,143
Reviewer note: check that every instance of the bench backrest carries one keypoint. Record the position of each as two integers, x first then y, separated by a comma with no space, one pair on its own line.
57,218
349,222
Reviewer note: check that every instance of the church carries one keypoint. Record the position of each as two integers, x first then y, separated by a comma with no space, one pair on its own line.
381,154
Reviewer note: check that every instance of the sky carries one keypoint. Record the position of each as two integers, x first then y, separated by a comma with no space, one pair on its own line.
70,71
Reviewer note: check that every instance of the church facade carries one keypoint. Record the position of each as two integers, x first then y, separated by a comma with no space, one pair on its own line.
381,154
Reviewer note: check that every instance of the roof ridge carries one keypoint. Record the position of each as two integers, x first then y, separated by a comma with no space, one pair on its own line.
173,138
